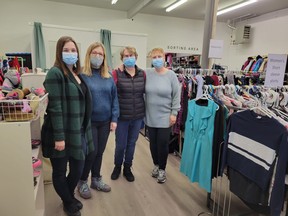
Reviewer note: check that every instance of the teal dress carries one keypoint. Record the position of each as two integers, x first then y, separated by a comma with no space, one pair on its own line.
196,161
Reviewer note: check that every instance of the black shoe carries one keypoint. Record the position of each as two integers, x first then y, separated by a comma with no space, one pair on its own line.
71,209
78,204
116,172
128,174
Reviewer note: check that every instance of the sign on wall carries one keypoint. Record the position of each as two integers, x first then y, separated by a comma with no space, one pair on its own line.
276,67
216,49
182,49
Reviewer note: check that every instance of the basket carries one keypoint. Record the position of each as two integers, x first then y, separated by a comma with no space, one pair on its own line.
15,110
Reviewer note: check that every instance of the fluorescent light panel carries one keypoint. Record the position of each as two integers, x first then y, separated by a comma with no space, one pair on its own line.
114,1
175,5
234,7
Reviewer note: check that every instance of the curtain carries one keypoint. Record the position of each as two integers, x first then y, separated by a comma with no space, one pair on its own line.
105,37
40,54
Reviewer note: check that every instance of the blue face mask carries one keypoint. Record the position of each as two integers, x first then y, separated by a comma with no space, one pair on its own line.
96,62
158,62
129,62
69,58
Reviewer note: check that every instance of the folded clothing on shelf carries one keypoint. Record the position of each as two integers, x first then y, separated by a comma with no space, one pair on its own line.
35,143
36,162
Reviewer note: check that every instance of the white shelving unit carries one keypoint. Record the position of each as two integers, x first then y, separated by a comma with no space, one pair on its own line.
19,196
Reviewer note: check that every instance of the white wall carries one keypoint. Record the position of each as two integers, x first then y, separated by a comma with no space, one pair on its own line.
269,35
15,34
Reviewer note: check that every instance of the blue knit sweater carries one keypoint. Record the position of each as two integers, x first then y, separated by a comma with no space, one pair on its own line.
104,97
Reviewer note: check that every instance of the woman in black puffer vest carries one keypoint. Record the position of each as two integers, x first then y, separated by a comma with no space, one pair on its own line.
130,84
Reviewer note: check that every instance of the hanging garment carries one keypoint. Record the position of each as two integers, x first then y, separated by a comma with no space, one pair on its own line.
196,162
263,65
200,83
252,146
247,68
257,65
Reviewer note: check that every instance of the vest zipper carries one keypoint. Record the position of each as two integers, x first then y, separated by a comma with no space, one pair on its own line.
133,90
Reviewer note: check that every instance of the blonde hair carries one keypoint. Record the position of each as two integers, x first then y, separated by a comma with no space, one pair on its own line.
157,49
87,63
131,51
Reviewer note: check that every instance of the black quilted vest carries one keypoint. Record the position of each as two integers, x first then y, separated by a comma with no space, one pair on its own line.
131,94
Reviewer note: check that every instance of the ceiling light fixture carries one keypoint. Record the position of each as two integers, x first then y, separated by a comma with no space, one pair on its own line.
114,1
234,7
175,5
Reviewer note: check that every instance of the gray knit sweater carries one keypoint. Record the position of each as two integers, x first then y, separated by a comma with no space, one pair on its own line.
162,98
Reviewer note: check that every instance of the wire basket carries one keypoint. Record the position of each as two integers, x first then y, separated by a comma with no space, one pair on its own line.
23,110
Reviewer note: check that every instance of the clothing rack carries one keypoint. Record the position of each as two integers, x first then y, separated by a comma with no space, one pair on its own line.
213,203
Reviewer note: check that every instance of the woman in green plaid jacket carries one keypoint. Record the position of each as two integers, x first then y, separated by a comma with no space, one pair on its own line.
66,133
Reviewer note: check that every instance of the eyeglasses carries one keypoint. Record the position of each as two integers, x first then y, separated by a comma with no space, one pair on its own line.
97,54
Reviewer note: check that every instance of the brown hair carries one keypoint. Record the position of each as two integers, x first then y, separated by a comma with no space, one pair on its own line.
87,63
59,49
131,51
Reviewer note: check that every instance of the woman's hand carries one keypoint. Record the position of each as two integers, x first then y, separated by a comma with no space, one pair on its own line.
172,120
60,145
113,126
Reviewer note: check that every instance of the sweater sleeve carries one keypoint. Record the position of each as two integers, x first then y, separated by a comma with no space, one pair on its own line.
53,83
175,95
115,104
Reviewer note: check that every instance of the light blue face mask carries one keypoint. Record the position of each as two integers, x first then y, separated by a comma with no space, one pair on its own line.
158,62
69,58
130,61
96,62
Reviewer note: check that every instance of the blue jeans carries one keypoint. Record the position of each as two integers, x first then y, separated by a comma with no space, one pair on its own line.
127,133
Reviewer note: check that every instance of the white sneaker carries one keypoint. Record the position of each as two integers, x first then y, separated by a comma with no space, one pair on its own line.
98,184
84,190
155,171
161,176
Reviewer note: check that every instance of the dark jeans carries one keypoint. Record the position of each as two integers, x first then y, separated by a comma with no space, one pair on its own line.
127,133
65,185
159,145
93,161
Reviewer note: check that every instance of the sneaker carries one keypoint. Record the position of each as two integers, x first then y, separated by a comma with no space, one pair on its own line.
84,190
161,176
116,172
155,171
128,174
71,209
78,204
98,184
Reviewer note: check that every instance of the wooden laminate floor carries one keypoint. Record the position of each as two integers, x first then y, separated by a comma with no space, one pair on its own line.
144,196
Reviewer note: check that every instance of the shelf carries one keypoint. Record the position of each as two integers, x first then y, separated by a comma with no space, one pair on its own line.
16,167
36,187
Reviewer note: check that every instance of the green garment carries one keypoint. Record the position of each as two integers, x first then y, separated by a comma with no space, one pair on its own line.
68,111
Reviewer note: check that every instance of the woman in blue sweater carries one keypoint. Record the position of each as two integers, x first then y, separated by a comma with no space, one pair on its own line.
105,112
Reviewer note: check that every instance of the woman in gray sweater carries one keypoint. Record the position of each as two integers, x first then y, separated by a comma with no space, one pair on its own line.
162,103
